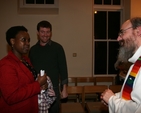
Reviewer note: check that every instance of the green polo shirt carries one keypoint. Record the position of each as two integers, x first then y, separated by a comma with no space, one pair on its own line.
50,58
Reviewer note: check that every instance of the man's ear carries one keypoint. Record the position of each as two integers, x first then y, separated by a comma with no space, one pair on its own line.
138,31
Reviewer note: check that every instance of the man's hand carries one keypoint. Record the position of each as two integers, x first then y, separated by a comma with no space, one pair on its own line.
105,96
64,93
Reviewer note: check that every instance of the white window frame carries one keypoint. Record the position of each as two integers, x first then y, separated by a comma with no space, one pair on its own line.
103,7
22,4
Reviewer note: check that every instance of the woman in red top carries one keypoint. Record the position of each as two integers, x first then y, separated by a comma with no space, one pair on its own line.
18,88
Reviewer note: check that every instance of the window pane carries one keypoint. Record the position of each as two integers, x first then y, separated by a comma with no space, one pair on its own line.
113,24
29,1
116,2
39,1
107,2
49,1
100,57
113,50
100,25
97,1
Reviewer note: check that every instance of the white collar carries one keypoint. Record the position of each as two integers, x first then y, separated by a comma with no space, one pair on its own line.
137,54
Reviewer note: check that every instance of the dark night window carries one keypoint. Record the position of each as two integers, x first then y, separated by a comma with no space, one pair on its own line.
116,2
107,2
29,1
106,27
40,1
97,1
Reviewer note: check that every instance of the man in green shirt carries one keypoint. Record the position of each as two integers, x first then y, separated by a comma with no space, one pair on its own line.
50,56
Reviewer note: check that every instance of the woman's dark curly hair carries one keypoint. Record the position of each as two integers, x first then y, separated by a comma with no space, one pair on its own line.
13,31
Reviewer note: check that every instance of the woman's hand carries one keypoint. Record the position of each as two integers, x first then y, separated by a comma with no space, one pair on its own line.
42,79
44,87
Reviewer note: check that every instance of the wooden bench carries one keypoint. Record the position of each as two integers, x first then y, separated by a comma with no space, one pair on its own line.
94,107
73,107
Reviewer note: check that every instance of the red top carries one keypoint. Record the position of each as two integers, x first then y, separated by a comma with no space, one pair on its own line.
19,91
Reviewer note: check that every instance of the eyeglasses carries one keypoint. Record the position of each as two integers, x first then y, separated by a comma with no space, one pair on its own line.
121,32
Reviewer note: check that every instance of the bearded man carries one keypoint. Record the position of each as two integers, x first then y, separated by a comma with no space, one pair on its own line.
128,100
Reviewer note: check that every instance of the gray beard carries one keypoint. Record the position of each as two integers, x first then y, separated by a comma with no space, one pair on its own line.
124,55
126,50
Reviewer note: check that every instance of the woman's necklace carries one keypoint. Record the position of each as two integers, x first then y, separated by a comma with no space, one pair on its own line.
30,68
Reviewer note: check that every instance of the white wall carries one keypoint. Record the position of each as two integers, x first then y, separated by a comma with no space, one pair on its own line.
72,28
